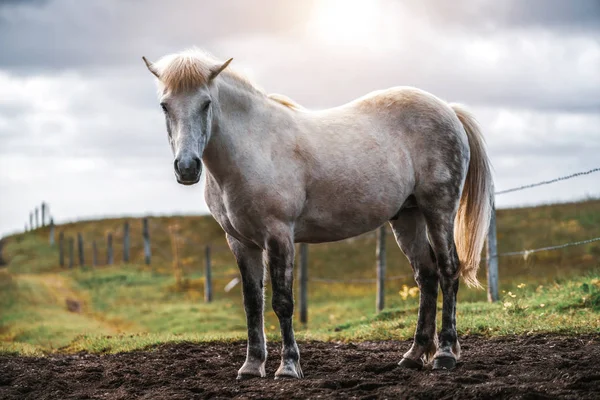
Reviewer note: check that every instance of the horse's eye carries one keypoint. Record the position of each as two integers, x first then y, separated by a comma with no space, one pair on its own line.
164,108
205,106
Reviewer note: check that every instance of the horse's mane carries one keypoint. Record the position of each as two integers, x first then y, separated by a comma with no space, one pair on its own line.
191,68
286,101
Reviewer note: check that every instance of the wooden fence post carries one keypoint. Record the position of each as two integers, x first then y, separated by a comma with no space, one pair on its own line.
109,249
126,242
492,260
146,236
208,278
51,239
303,281
94,254
31,221
37,218
61,249
80,250
43,214
380,254
71,251
175,251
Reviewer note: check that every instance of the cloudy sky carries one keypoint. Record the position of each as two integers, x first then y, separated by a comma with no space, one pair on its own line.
81,129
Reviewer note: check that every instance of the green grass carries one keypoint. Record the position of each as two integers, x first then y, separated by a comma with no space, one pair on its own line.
136,309
132,306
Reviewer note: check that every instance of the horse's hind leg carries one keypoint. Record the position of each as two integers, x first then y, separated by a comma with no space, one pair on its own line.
410,232
439,215
251,267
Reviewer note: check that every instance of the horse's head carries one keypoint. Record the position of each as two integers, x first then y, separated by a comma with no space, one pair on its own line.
186,96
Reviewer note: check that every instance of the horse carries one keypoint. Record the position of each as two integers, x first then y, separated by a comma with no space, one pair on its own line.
279,174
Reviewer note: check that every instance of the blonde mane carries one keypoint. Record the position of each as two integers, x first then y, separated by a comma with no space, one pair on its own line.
193,68
285,101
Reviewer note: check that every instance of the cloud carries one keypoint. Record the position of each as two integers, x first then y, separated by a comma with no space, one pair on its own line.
71,34
80,126
571,17
539,71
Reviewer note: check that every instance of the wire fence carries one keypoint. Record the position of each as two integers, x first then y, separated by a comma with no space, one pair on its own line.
175,251
562,178
526,253
360,280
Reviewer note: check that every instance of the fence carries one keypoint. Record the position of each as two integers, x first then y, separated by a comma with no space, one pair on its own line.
205,253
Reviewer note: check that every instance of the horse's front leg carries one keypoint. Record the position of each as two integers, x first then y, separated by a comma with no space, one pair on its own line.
251,267
280,256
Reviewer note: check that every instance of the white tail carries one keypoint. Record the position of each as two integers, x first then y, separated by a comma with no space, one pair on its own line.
474,211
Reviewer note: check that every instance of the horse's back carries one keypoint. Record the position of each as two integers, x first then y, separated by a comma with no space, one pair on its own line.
426,127
371,154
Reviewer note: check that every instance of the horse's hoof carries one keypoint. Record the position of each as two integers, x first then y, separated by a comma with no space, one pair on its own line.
444,362
245,377
250,370
410,364
289,371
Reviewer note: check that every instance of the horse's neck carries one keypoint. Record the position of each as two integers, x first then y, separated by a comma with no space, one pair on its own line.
247,127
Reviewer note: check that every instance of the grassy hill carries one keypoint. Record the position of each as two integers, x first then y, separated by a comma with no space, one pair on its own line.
45,307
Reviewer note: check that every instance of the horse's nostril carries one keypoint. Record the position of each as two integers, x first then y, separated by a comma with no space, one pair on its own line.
176,166
197,163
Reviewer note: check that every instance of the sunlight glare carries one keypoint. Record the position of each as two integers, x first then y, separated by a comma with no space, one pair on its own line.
349,23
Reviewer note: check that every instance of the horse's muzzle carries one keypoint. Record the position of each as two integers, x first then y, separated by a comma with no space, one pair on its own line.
188,169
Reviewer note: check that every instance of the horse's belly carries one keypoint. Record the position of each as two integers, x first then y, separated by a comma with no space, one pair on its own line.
341,219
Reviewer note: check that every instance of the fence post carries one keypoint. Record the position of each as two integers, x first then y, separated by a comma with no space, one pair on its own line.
61,249
31,227
51,231
175,250
43,214
126,242
146,236
303,280
94,254
37,218
380,254
208,278
109,249
80,250
71,251
492,259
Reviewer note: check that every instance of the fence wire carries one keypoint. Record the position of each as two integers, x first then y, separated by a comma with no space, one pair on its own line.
360,280
526,253
562,178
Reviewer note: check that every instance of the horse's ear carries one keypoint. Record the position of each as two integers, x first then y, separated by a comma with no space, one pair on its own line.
218,69
150,67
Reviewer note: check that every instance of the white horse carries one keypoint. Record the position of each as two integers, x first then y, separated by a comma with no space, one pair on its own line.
277,174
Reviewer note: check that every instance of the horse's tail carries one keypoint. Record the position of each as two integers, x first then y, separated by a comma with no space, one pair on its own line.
475,208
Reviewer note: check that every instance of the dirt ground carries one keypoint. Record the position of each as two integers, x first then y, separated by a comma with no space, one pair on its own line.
525,367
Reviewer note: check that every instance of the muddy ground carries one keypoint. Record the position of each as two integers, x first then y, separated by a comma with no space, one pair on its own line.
526,367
